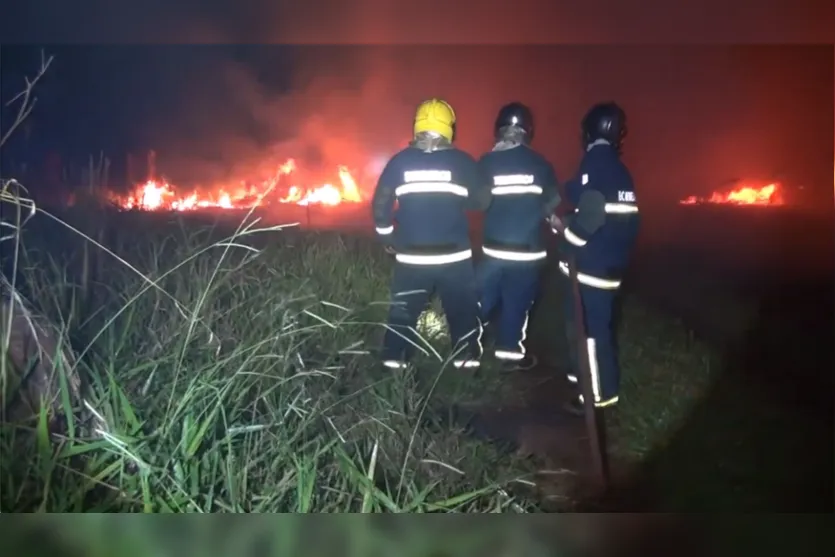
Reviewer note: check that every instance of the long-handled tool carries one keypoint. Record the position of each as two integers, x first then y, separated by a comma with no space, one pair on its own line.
595,423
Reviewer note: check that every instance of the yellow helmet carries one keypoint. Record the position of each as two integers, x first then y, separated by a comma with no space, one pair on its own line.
435,115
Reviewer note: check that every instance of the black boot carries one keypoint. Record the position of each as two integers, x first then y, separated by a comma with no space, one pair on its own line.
393,365
574,406
525,364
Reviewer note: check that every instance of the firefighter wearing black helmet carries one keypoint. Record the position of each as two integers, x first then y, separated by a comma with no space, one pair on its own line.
600,235
524,193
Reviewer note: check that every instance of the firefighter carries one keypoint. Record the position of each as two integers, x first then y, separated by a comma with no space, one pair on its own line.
599,236
524,193
433,183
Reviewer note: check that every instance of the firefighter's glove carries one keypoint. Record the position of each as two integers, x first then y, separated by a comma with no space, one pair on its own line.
556,224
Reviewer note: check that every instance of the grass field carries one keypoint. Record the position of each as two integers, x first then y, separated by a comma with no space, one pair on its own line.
230,379
233,369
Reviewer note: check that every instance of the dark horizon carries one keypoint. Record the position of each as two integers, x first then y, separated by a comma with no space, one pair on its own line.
699,116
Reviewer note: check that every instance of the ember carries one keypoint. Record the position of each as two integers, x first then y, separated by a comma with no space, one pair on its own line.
160,195
770,194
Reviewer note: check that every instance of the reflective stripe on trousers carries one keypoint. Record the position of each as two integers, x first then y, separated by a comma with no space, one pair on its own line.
513,355
610,402
594,373
395,364
600,349
594,376
466,364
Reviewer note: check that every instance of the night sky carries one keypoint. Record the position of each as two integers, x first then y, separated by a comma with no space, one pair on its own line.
387,21
700,116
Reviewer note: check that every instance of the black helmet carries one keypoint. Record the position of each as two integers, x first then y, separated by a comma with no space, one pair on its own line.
514,114
604,121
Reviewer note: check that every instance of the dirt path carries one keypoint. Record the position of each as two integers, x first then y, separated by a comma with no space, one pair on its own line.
760,439
529,422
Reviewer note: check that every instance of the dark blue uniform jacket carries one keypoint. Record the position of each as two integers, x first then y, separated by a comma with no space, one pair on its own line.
420,201
604,227
524,192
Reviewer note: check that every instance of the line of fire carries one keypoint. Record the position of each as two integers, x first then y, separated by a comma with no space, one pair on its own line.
289,184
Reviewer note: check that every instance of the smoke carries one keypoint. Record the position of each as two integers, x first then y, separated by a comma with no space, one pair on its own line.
239,113
697,114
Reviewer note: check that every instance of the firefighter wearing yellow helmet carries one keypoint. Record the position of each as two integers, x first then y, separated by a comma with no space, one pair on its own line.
432,184
435,117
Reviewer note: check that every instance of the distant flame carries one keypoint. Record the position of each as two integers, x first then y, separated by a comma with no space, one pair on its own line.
326,194
160,195
770,194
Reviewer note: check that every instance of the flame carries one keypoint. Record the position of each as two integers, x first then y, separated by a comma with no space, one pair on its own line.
160,195
326,194
770,194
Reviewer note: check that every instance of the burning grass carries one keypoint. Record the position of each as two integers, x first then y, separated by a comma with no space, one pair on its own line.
233,370
768,195
329,190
